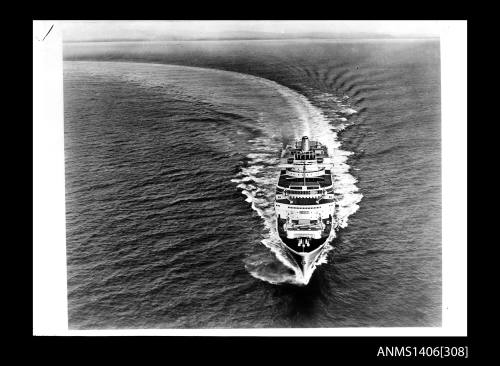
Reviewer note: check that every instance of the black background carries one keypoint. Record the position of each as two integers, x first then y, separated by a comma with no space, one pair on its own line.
239,350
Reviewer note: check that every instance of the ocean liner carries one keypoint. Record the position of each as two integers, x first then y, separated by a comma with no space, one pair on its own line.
304,203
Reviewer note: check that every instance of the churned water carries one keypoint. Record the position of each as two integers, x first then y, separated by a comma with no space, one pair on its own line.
171,155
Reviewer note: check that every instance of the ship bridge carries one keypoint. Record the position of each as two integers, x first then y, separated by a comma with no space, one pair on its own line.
291,182
304,181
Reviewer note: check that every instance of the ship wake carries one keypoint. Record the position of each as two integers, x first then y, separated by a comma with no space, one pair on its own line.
257,181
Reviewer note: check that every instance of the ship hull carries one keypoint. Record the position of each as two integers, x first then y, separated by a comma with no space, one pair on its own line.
305,258
306,261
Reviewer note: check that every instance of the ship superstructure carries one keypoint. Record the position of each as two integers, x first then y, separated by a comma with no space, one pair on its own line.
304,203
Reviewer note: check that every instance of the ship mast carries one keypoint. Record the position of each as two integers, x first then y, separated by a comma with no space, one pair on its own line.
304,146
304,173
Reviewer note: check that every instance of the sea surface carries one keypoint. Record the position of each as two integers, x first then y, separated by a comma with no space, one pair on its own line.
171,153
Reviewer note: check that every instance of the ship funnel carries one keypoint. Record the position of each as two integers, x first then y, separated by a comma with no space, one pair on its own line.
305,143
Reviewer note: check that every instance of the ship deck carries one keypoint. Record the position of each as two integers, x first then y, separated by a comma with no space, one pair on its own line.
286,181
304,201
294,243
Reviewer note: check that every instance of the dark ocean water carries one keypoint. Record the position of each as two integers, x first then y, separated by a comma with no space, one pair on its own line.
171,152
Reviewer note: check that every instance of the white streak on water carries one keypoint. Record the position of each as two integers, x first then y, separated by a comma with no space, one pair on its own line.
257,180
261,194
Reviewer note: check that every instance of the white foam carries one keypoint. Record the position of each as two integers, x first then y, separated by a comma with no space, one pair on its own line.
349,111
262,172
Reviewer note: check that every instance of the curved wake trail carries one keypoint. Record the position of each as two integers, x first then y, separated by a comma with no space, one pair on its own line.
287,115
257,180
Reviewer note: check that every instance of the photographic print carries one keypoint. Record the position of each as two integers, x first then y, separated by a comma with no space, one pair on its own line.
252,174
